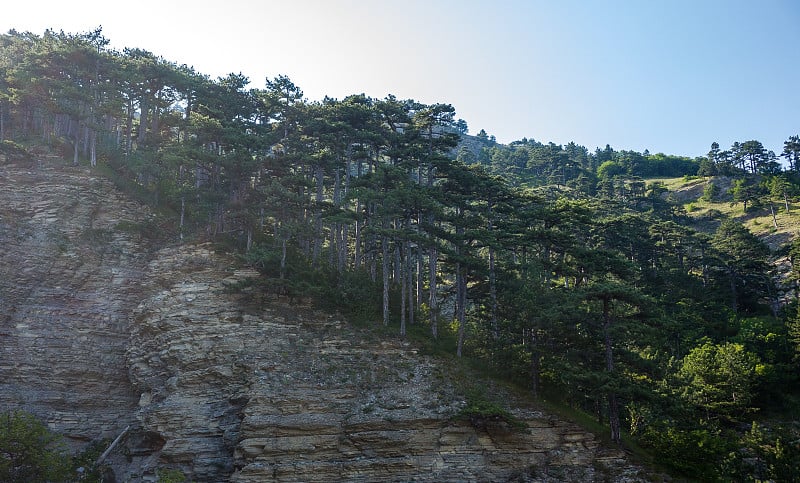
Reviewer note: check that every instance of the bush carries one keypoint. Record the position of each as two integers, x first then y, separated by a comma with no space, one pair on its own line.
700,452
29,451
12,151
481,412
171,476
710,192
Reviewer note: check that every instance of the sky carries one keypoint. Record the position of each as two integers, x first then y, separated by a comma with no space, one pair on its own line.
668,76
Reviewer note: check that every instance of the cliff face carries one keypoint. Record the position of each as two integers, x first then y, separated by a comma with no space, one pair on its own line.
69,278
98,331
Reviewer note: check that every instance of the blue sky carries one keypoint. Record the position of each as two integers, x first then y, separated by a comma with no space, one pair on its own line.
668,76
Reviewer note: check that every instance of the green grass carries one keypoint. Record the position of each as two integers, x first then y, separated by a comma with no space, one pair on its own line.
758,220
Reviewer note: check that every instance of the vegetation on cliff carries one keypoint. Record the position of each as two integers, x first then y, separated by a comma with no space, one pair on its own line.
576,274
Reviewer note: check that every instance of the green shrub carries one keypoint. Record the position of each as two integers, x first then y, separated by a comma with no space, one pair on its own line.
481,412
12,151
710,192
171,476
29,451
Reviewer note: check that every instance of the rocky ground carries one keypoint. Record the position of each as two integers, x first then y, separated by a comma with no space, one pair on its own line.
100,329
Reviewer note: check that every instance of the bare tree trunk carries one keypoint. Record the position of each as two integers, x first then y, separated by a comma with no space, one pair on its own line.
433,303
2,122
93,148
357,239
410,283
403,290
734,291
493,294
461,309
183,214
398,268
283,257
319,175
144,112
343,246
385,250
129,129
75,144
613,407
772,212
420,281
536,364
155,123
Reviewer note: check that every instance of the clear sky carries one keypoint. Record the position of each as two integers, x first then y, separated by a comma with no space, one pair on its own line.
670,76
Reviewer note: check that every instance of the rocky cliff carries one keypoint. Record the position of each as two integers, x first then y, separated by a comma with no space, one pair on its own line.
100,329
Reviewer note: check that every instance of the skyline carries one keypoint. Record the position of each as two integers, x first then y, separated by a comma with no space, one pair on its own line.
669,77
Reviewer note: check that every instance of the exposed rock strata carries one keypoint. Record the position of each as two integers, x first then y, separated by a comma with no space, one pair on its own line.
68,280
226,384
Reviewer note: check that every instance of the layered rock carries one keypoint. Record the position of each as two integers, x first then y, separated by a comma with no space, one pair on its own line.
249,388
98,331
69,272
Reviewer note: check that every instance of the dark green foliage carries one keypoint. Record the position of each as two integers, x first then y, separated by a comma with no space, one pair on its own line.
772,453
720,379
710,192
29,451
699,452
482,412
171,476
13,152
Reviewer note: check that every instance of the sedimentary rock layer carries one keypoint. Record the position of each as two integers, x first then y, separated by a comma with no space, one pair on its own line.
101,329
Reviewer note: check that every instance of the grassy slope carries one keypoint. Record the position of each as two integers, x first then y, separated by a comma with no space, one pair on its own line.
759,221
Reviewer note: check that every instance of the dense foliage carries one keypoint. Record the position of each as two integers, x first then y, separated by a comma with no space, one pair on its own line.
559,268
29,451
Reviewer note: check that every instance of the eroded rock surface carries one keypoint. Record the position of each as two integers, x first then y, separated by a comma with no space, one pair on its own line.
70,268
224,383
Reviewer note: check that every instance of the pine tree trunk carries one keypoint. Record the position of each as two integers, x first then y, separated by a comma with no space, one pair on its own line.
536,363
283,257
93,148
183,214
385,250
613,408
357,239
75,145
433,303
420,282
143,119
493,294
319,175
772,212
403,291
343,248
734,292
335,247
461,309
2,122
410,282
129,129
398,268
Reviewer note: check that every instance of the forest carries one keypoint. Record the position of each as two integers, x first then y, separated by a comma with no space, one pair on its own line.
575,274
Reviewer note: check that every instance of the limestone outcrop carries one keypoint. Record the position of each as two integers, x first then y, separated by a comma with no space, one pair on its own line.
101,329
70,268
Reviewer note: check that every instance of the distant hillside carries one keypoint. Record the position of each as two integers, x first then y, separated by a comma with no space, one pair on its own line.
777,232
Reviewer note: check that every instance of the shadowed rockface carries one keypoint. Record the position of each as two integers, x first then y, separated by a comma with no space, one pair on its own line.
99,329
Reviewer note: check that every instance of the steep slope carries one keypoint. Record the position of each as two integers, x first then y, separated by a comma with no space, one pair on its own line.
68,281
100,331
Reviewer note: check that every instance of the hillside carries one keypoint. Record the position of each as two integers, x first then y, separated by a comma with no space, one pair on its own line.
104,327
759,220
